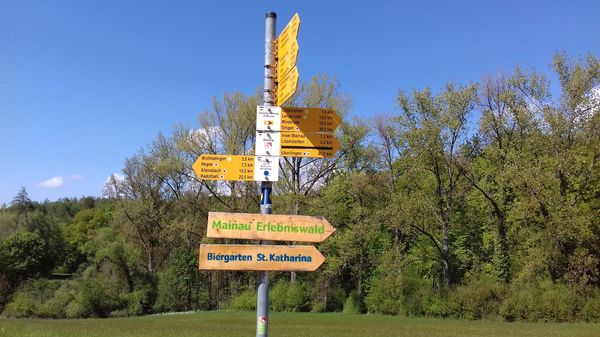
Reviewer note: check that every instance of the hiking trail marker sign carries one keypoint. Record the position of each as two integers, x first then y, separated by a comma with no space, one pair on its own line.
272,118
273,227
259,257
286,88
309,120
295,132
236,167
287,56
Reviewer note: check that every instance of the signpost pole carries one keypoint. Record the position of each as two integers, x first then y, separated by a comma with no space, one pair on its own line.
262,304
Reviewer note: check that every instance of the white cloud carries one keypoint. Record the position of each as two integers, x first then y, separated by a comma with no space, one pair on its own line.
52,182
77,177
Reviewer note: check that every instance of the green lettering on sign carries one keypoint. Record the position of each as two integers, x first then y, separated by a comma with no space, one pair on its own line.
268,227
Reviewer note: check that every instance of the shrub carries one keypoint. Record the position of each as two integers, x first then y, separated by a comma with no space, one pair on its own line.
277,296
96,294
591,310
246,300
177,284
394,294
134,303
6,289
416,294
558,303
21,306
330,299
40,298
94,299
438,305
75,310
56,306
352,304
546,302
285,296
385,296
479,298
297,297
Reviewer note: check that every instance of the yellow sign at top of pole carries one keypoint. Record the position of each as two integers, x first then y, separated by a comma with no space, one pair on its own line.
287,46
287,55
290,30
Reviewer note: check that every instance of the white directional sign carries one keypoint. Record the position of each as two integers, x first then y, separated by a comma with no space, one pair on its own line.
268,118
266,168
267,143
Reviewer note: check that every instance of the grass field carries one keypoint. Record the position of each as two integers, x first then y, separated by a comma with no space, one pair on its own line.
232,324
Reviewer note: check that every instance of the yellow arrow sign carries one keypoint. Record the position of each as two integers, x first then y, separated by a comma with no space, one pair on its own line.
307,153
268,227
289,33
309,119
287,59
287,86
236,167
310,140
259,257
287,47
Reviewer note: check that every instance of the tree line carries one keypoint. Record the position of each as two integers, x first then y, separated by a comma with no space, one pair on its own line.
477,201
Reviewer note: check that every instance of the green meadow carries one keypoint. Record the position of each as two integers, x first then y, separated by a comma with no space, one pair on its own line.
231,324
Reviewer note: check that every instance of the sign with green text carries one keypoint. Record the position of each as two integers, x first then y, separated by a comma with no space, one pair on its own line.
273,227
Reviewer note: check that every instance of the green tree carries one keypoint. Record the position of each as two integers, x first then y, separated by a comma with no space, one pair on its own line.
21,202
23,255
432,129
350,202
178,283
504,137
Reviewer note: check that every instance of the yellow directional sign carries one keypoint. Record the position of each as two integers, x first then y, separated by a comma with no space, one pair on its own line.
268,227
287,47
259,257
311,140
236,167
287,59
309,119
312,144
307,153
287,86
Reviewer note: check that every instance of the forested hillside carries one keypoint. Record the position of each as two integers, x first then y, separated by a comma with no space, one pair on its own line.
478,201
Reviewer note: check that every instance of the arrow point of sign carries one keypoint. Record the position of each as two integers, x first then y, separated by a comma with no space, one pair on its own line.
318,259
196,165
329,229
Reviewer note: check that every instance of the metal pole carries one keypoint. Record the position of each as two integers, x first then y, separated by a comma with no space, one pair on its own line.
262,302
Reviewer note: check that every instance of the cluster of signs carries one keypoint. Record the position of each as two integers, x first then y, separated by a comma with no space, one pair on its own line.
280,132
264,227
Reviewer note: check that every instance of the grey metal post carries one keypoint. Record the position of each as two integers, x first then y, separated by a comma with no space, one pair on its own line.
262,302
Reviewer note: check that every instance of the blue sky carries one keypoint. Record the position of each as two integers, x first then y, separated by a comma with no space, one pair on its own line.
85,84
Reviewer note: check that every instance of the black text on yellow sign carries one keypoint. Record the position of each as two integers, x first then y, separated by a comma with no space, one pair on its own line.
236,167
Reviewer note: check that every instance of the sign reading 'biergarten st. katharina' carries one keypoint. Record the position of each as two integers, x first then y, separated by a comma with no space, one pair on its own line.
260,257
